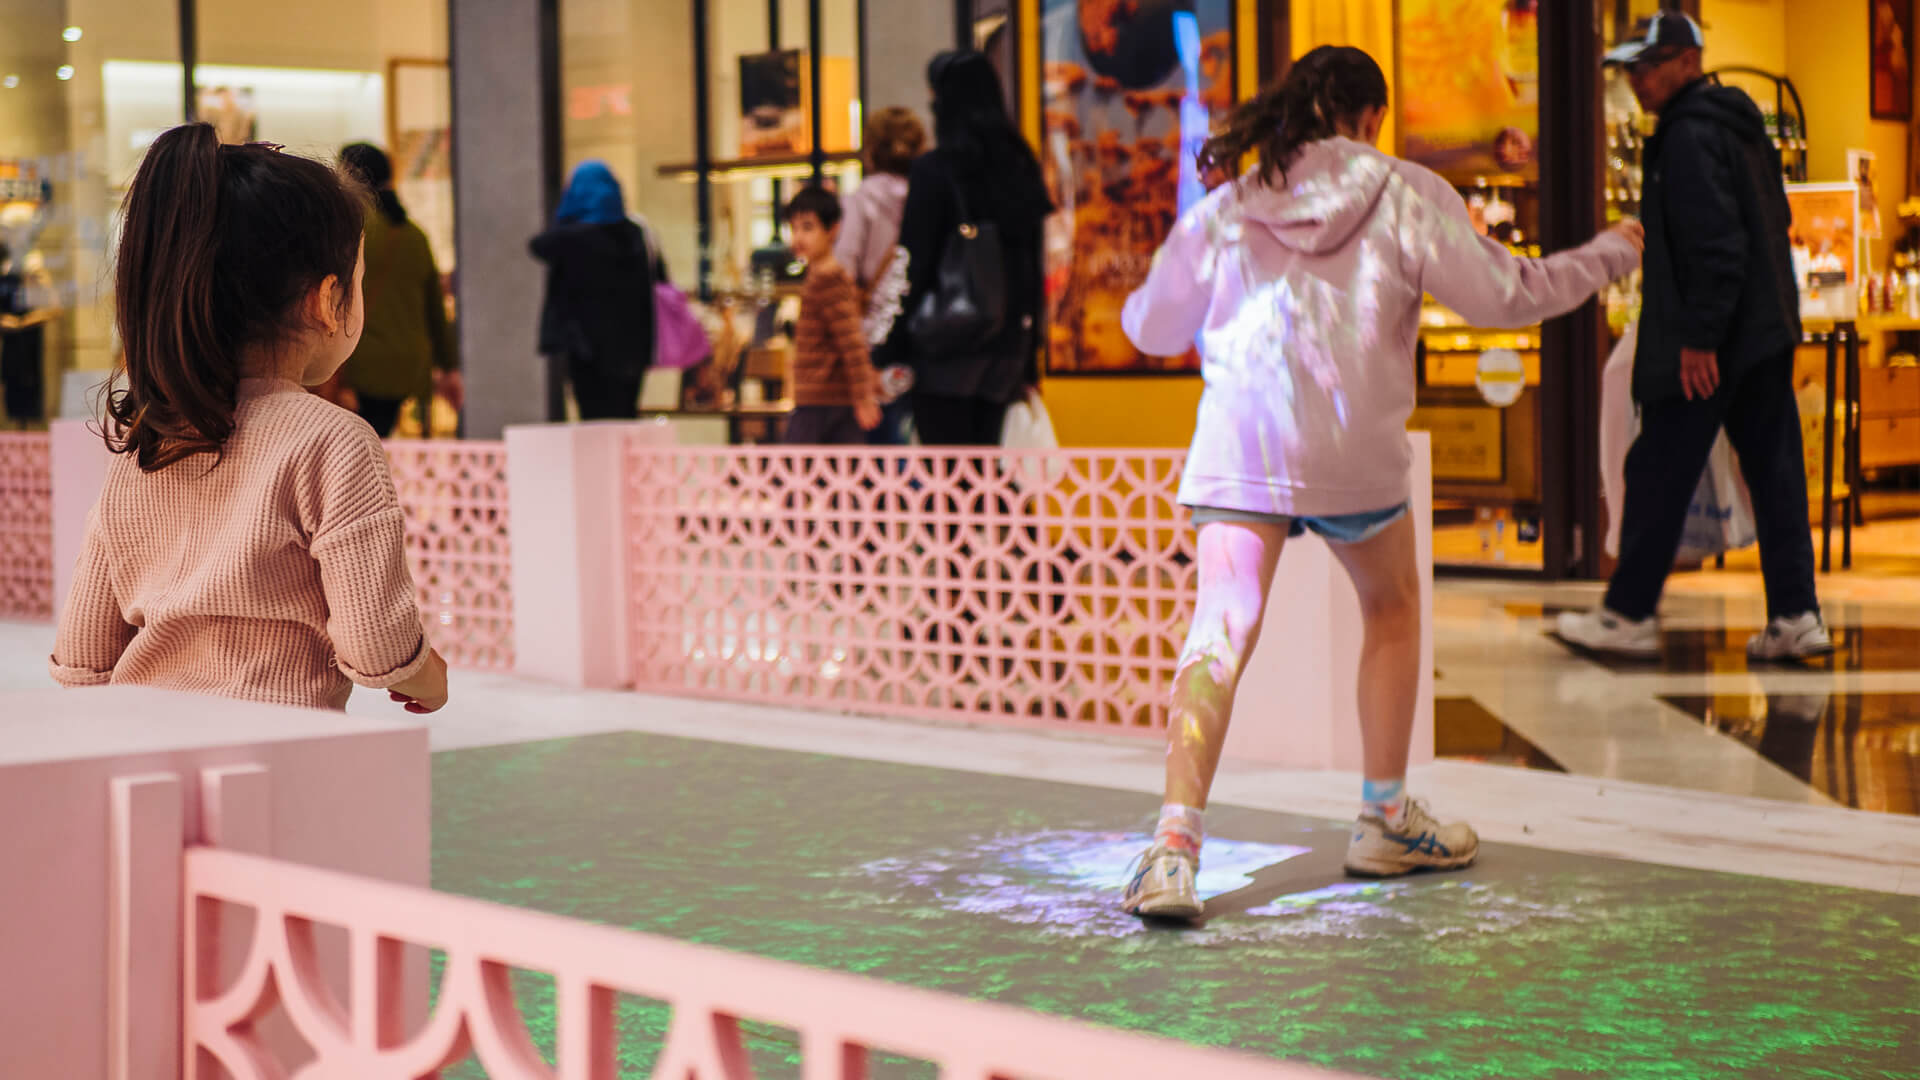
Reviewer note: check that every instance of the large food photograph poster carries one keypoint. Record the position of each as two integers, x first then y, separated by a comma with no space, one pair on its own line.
1131,89
1469,88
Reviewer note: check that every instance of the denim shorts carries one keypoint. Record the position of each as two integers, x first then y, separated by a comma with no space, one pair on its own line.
1333,528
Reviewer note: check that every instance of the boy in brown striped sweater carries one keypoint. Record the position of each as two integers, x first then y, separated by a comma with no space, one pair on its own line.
835,393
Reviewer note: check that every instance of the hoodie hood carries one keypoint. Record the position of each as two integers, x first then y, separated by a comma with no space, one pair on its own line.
1724,105
1329,193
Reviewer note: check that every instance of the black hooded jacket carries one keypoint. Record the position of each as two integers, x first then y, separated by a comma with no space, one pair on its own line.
1719,264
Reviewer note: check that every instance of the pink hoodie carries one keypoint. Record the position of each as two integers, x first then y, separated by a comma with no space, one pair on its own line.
1306,301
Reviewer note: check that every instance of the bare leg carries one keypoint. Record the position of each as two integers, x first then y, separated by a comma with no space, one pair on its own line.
1387,577
1236,569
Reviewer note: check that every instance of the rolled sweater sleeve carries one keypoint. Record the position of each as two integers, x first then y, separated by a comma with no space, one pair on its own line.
348,504
93,630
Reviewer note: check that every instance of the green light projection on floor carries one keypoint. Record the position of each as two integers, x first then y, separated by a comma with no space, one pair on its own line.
1531,965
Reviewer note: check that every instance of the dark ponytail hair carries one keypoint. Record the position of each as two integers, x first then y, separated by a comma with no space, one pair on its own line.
219,247
374,169
1329,86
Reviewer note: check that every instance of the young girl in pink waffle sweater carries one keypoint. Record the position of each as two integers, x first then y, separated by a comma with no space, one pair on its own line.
247,541
1303,282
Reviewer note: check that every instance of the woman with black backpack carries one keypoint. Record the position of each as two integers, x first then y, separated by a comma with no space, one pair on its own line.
972,234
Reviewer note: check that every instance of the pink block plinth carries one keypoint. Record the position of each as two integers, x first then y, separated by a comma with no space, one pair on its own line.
80,460
565,500
100,790
1297,705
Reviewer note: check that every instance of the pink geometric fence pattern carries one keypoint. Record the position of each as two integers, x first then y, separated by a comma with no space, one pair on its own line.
1048,587
838,1018
459,547
26,526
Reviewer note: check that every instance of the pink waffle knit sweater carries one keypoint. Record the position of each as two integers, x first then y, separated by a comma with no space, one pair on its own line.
278,575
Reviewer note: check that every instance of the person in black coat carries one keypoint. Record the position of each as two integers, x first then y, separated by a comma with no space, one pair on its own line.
960,397
597,326
1718,327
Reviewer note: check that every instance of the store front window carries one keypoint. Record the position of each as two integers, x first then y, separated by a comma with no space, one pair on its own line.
86,85
636,86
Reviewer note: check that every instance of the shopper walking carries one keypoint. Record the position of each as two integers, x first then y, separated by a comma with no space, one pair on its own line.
407,352
869,248
1303,282
1719,323
597,328
247,541
982,171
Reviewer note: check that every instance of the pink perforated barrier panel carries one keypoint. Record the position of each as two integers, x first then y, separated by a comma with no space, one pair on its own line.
838,1018
1044,587
459,546
26,526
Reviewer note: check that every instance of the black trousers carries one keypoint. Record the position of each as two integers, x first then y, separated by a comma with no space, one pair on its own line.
382,413
958,421
824,425
1762,421
603,396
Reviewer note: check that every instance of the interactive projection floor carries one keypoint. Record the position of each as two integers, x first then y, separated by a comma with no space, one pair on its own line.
1532,964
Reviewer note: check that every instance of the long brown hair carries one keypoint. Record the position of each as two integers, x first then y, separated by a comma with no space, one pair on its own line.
1330,86
219,246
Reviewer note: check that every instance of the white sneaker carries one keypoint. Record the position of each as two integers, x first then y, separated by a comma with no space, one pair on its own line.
1163,885
1602,631
1420,843
1798,638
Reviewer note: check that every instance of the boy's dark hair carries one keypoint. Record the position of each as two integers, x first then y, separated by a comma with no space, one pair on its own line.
818,201
219,247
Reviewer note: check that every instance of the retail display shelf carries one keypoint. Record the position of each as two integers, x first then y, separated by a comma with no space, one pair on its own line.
774,168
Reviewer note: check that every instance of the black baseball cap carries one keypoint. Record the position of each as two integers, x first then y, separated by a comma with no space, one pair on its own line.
1667,30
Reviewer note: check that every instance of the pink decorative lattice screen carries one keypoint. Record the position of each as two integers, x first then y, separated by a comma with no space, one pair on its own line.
26,526
459,547
838,1019
1047,587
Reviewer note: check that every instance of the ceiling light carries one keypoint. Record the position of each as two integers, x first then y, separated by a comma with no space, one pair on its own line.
71,34
10,81
65,72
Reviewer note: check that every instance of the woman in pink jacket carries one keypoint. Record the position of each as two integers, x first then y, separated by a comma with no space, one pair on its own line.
1303,283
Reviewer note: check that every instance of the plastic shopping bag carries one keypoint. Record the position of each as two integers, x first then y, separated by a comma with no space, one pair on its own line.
1028,426
1720,518
1617,428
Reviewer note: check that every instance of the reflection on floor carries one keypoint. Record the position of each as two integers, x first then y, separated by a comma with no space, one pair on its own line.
1532,963
1861,750
1463,729
1869,648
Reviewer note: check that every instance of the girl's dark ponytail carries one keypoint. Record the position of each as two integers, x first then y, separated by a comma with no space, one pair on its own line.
1330,86
163,286
218,248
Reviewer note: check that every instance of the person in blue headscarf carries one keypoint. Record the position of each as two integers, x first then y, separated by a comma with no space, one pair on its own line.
597,326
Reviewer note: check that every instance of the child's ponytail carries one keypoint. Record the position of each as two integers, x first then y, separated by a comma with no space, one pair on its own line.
1330,86
163,289
218,248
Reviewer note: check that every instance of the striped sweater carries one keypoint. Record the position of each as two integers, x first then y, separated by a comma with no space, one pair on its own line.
830,364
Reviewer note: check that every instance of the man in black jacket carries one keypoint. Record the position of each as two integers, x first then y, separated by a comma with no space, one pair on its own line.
1718,326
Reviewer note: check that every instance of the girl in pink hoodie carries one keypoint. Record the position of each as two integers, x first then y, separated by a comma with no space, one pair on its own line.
1303,283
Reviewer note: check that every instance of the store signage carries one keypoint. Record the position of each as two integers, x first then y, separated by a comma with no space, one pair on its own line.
1469,442
1501,377
594,102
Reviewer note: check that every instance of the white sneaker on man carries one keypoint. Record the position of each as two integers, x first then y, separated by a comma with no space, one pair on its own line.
1798,638
1603,631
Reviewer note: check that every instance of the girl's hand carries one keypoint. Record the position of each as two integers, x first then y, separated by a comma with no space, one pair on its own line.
426,691
1635,233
